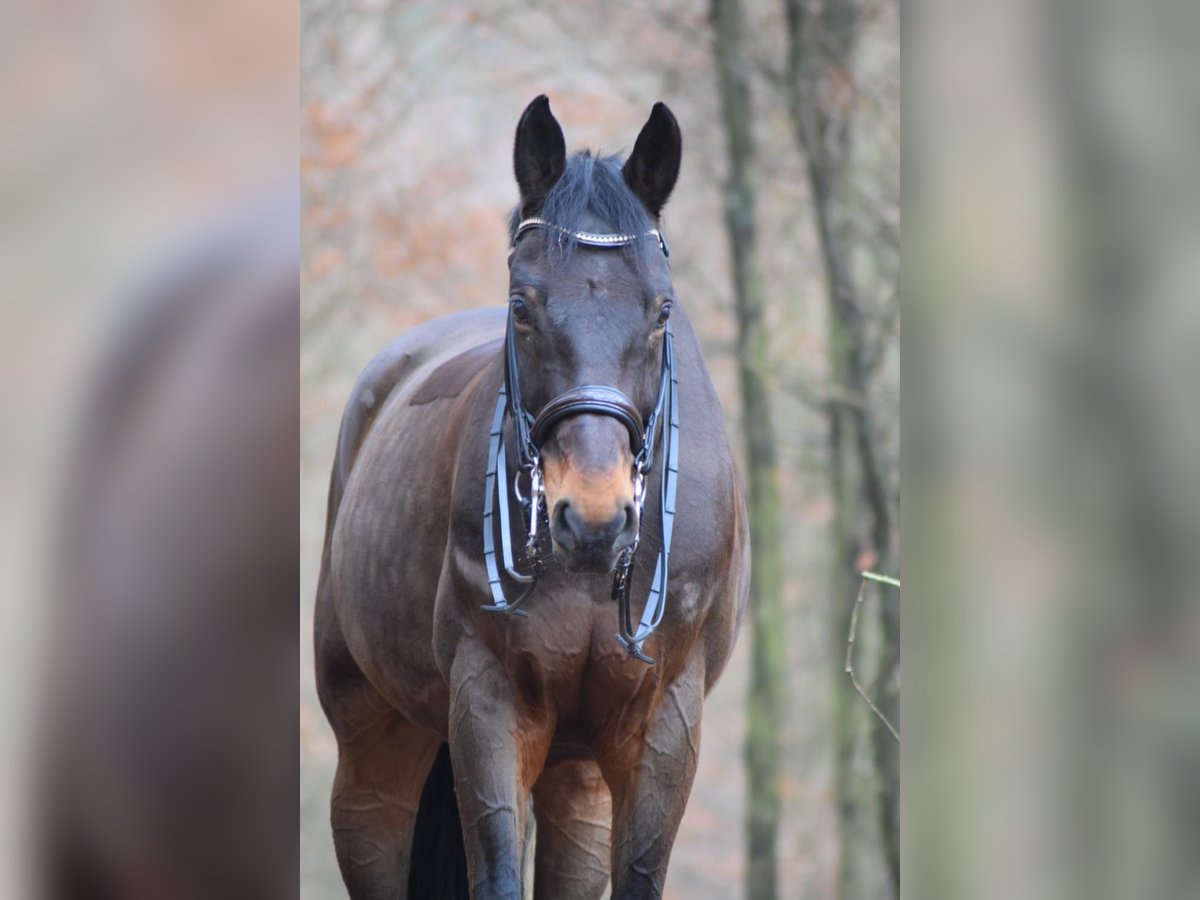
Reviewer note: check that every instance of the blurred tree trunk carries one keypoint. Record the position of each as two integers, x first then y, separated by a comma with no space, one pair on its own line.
821,97
765,702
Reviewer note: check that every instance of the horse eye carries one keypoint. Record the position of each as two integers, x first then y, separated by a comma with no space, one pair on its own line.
664,314
520,311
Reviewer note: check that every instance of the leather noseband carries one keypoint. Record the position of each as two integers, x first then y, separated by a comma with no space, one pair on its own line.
590,398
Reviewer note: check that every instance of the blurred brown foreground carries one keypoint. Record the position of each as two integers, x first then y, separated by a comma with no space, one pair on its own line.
148,383
168,754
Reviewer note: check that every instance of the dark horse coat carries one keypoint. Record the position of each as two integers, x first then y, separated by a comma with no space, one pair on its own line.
549,706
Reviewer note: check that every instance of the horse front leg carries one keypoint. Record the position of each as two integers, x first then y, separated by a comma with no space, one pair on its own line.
650,791
574,824
498,746
376,792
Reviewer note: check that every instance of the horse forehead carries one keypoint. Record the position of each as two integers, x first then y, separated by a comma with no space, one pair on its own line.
596,299
610,268
615,272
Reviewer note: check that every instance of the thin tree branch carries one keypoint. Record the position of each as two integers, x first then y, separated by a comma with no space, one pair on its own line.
881,579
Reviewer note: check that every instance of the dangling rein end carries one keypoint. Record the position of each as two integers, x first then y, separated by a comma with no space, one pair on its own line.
503,606
635,651
506,609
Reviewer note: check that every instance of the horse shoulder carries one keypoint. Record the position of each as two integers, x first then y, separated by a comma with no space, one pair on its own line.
730,599
425,350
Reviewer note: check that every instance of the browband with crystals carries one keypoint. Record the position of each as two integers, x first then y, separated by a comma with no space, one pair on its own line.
589,238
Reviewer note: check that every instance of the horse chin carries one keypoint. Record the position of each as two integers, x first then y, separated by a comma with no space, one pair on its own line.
589,563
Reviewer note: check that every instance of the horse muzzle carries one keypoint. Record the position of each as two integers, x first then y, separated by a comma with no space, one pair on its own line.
582,544
590,493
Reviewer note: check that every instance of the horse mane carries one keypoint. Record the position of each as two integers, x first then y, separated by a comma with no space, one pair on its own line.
590,183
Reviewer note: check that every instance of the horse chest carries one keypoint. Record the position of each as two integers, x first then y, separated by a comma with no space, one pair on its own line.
563,654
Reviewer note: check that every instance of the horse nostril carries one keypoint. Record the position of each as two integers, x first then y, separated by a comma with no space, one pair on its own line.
564,526
631,521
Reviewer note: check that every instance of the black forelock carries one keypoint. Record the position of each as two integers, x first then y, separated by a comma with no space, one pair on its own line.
590,184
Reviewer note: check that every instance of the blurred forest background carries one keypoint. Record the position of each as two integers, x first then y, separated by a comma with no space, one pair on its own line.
785,237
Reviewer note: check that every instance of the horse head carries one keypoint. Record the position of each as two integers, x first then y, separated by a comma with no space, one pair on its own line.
590,297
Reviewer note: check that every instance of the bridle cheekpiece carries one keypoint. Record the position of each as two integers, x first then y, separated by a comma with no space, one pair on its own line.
531,432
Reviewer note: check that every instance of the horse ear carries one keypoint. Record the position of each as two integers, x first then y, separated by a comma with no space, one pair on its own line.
539,151
653,166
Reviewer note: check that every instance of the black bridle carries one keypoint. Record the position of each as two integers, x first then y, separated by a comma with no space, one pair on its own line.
530,433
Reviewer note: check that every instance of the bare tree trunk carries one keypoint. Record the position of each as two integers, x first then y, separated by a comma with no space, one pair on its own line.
765,701
821,38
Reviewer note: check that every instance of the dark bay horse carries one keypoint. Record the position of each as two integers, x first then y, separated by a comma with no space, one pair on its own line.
450,717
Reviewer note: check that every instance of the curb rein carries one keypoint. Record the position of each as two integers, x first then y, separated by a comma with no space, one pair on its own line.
531,432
